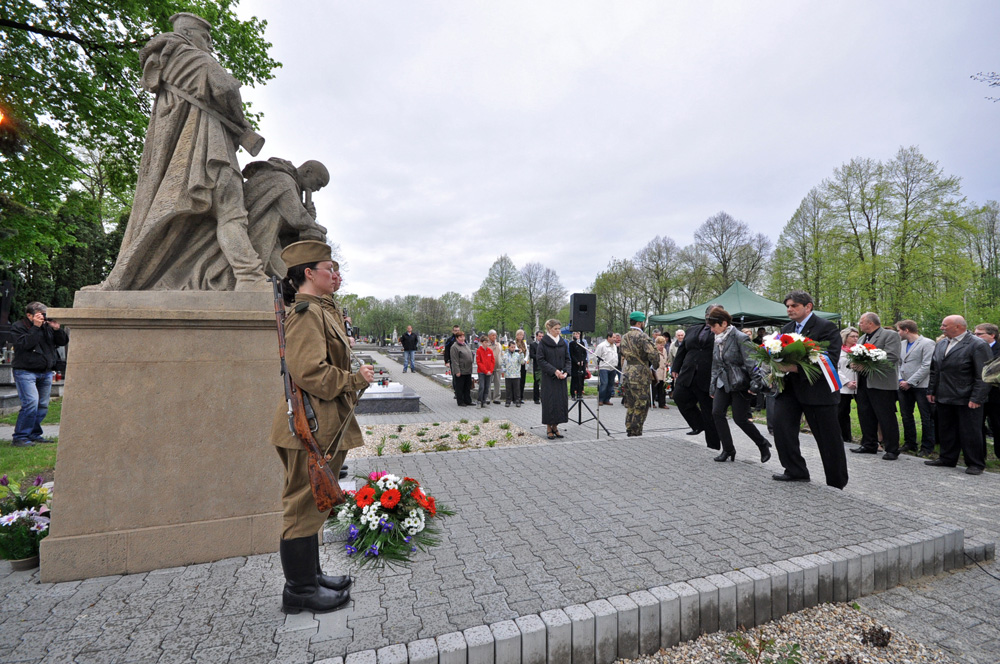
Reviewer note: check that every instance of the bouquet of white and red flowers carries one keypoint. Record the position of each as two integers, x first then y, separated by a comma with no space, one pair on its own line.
780,350
868,359
388,519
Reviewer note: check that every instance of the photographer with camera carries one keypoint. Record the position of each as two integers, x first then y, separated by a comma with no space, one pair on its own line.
35,341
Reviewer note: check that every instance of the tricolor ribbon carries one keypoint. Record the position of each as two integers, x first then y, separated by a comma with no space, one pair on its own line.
830,373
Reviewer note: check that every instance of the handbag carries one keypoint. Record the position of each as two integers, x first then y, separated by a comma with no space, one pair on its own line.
738,378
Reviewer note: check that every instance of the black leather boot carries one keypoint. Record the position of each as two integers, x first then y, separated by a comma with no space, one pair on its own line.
299,560
331,582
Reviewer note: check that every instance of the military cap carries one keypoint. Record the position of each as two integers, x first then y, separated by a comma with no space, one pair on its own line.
637,316
187,18
307,251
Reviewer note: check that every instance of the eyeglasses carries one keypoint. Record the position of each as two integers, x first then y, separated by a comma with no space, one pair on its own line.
982,334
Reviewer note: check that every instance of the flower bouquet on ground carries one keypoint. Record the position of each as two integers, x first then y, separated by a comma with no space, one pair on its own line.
388,519
869,360
24,520
780,350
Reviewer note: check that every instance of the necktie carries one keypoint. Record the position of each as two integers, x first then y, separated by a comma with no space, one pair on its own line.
798,328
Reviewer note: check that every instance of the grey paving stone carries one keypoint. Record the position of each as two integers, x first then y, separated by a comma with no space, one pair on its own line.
628,626
584,634
727,601
796,585
362,657
761,594
533,639
451,648
670,615
649,621
690,610
605,631
708,601
394,654
779,589
481,645
423,651
507,640
744,598
558,636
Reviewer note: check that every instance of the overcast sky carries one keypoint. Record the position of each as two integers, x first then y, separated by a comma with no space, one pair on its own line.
571,132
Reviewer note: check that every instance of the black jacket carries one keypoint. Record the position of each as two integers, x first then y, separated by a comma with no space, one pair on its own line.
817,394
447,349
957,379
693,363
553,356
35,347
409,341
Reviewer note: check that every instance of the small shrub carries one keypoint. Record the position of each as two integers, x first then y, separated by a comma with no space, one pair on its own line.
463,421
475,430
369,432
444,435
491,443
486,420
456,428
436,424
760,651
405,446
392,435
380,448
442,447
463,438
505,425
508,435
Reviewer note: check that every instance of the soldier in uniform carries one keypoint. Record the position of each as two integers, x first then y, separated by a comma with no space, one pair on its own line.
317,354
638,354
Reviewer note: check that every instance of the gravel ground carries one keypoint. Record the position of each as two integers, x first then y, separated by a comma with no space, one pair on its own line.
441,436
829,633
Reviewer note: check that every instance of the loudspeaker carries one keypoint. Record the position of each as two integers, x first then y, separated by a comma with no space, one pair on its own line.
582,312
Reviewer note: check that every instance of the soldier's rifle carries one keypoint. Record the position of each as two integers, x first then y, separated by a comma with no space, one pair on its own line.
302,422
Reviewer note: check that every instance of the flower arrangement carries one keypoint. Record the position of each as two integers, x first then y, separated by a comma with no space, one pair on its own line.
24,520
781,350
869,359
388,519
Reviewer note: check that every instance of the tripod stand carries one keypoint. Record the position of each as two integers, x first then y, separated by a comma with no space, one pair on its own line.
579,405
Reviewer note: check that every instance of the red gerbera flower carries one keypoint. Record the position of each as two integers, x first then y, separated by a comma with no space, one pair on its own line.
365,496
785,340
390,498
871,346
430,506
410,479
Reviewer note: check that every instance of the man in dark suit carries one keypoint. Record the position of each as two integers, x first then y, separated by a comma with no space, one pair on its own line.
958,389
692,373
991,409
877,392
816,400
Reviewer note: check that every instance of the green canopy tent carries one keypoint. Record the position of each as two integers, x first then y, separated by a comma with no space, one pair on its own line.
746,307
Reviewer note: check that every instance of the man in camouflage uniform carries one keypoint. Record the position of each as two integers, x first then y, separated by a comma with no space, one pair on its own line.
638,354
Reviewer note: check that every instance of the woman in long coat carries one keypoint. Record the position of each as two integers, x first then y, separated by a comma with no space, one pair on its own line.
731,370
553,361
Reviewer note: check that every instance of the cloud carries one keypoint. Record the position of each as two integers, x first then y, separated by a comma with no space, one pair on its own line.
571,132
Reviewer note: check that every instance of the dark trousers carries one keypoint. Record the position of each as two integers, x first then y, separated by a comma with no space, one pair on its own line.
463,389
660,393
740,401
823,423
991,414
524,379
485,380
917,396
844,417
576,381
960,429
696,409
877,408
513,386
536,387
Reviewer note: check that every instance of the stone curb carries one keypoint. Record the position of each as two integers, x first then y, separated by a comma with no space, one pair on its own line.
642,622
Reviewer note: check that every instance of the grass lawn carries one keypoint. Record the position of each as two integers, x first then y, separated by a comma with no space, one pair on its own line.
31,461
55,412
992,462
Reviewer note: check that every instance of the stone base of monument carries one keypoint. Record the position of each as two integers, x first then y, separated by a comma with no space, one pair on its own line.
163,455
391,398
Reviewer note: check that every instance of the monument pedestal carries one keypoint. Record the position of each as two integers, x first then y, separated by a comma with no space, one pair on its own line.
163,456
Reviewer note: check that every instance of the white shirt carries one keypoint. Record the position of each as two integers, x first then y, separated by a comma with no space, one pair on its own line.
607,354
802,324
953,342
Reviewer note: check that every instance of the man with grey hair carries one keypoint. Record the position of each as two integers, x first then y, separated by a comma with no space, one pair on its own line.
876,396
957,389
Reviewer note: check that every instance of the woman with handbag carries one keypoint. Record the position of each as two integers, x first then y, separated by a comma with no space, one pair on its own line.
731,370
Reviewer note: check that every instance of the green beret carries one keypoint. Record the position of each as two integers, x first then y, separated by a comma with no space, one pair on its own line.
307,251
637,316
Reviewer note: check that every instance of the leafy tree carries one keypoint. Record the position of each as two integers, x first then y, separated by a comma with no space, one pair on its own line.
459,309
431,316
500,302
69,81
656,271
616,297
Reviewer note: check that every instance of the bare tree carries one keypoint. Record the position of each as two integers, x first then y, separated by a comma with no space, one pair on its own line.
656,271
552,296
694,282
736,252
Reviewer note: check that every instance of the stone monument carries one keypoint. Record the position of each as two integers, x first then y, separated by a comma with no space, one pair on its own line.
163,455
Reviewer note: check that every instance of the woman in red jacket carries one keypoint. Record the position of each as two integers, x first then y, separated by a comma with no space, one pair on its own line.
485,363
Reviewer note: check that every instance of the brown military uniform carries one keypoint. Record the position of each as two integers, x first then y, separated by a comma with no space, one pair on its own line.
318,358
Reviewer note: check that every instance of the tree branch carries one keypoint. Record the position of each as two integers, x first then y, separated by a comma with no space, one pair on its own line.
68,36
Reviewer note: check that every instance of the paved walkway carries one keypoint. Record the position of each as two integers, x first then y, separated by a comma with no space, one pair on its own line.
538,527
